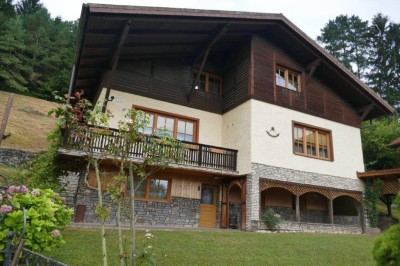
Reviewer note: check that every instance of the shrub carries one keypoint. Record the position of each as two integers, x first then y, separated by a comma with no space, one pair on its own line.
387,247
271,218
45,212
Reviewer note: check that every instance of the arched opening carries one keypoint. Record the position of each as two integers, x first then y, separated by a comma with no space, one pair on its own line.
346,210
314,208
235,206
281,201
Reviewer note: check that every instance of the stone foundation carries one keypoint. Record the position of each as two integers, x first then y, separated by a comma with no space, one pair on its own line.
259,226
15,158
180,212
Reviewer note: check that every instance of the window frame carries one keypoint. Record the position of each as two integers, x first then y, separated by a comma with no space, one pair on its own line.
288,71
207,76
148,186
176,118
318,130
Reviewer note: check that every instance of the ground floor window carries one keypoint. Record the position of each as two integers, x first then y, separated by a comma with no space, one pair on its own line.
153,188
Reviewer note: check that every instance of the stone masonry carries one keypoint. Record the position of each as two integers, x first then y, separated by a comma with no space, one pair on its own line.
15,158
293,176
180,212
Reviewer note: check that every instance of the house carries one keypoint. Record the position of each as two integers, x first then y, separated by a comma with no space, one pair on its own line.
271,119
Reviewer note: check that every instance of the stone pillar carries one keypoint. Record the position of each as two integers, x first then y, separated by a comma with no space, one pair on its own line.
331,219
253,199
298,208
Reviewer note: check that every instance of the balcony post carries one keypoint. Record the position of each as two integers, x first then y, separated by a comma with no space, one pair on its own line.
200,159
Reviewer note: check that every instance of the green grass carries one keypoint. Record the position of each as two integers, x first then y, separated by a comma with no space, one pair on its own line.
8,171
225,248
28,123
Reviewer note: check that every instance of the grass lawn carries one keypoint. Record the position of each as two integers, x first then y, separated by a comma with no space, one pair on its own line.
225,248
28,123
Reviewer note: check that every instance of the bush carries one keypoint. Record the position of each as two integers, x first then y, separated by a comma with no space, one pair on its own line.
46,215
271,219
387,247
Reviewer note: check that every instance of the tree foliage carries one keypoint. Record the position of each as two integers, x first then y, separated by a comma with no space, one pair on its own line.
375,138
369,49
36,50
346,38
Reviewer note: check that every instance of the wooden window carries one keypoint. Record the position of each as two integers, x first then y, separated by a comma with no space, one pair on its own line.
153,188
208,83
287,78
179,127
312,142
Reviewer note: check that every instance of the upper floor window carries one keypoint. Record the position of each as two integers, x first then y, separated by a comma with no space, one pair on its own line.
287,78
312,142
208,83
179,127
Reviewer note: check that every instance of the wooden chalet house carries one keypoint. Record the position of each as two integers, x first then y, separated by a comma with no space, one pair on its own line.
272,119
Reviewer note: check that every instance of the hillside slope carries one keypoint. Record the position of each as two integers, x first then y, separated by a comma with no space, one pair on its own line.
28,123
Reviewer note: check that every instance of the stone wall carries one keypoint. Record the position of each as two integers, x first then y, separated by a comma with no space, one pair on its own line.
300,177
346,220
182,212
252,199
306,178
259,226
15,158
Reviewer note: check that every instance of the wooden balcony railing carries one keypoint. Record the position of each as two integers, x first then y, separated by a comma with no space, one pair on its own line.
99,140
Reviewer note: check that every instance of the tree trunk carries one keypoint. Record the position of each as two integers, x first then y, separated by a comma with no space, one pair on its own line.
132,218
102,215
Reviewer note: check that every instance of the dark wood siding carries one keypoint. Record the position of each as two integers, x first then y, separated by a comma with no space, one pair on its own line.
263,57
165,81
236,78
316,97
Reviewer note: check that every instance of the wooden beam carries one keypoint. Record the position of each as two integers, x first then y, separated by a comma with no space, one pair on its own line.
366,110
114,60
205,56
5,116
298,208
331,219
312,64
310,68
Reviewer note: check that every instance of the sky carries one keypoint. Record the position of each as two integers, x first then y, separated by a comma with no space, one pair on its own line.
309,15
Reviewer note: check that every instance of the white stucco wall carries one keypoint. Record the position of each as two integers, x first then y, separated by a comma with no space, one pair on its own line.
244,128
236,134
278,151
210,124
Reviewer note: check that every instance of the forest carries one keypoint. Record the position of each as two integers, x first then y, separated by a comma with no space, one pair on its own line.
37,53
36,50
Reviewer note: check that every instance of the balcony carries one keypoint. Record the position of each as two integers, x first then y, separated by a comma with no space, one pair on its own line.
98,140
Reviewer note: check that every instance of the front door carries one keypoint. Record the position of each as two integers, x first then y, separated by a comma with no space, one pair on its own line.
208,206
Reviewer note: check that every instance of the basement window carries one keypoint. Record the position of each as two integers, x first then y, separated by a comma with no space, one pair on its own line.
156,189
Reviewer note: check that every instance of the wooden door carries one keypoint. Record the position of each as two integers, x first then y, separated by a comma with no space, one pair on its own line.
208,206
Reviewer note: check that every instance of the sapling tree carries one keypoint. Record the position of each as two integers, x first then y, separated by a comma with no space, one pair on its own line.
157,150
80,120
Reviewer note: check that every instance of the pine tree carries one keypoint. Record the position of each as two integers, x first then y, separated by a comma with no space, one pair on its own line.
13,71
346,39
26,7
384,59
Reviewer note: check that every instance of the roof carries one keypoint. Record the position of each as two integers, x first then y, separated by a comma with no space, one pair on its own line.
382,174
156,32
395,143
